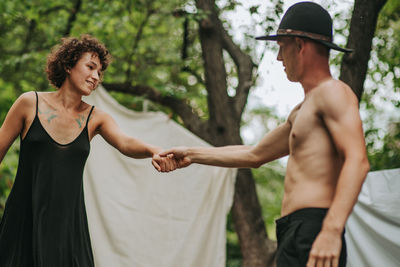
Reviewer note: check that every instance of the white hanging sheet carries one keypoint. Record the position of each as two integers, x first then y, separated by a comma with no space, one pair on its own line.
141,218
373,228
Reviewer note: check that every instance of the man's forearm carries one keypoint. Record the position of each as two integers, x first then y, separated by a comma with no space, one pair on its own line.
238,156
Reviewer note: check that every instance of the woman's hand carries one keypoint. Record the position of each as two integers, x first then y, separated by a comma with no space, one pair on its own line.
164,163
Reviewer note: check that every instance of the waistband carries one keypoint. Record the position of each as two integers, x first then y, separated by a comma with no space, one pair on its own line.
306,213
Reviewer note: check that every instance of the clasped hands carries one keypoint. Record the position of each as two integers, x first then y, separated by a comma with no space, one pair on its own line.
171,159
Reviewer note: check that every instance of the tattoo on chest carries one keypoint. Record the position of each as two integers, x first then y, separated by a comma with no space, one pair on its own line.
48,114
80,120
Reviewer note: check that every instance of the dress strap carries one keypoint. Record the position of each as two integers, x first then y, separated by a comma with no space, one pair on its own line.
37,103
88,117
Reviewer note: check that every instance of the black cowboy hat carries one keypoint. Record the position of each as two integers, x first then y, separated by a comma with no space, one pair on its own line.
309,20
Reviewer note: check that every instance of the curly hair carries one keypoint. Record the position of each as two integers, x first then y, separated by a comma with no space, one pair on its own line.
64,56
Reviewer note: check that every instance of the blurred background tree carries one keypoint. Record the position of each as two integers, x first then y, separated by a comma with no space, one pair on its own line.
382,91
162,51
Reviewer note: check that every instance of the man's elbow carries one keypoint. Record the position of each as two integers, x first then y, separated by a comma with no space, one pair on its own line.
359,164
362,164
365,167
255,162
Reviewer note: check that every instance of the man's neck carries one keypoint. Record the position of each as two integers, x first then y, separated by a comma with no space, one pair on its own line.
309,85
314,76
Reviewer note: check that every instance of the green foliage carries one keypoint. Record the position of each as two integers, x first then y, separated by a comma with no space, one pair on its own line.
233,254
387,156
145,38
387,45
7,97
381,95
269,185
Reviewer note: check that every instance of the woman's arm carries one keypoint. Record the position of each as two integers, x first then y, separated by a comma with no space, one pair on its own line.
14,122
129,146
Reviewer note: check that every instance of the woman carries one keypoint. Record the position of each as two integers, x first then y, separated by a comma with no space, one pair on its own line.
44,222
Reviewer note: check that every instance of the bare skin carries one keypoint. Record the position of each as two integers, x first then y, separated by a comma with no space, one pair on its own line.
324,139
63,115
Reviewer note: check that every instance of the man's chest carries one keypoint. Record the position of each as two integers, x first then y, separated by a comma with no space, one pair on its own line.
307,125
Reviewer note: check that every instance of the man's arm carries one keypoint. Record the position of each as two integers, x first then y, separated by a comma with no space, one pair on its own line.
272,146
338,108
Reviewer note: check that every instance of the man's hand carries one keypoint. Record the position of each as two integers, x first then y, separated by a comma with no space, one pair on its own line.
325,251
179,154
164,164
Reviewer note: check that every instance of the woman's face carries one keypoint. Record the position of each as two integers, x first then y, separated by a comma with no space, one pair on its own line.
86,74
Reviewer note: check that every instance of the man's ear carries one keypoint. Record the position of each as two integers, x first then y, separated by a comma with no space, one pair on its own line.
299,43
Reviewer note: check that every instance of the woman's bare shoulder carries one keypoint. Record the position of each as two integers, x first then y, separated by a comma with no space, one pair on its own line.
26,101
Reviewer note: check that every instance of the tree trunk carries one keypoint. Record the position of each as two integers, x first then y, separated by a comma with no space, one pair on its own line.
257,249
362,29
225,117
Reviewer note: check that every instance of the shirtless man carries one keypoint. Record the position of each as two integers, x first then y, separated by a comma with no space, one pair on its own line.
323,137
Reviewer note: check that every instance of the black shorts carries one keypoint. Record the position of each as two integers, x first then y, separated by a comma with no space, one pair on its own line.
296,233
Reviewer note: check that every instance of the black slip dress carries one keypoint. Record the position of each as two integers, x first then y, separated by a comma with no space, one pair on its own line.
44,222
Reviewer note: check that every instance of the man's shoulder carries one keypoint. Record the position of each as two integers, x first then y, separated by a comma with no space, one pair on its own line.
329,86
334,98
334,92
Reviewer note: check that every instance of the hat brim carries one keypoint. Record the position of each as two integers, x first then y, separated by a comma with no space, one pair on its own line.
326,43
